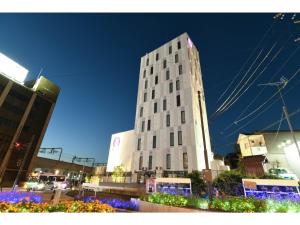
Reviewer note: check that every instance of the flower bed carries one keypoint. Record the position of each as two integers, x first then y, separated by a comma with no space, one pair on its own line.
226,204
16,197
115,203
70,207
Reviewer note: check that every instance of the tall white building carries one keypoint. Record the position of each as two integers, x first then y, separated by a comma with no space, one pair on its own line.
171,129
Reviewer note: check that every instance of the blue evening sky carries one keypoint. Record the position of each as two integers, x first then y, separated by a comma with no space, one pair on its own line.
95,58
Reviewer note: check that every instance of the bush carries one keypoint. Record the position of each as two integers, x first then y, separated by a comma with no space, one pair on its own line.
167,199
238,204
230,183
198,184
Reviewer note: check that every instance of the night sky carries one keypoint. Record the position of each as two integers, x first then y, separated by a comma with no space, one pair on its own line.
95,58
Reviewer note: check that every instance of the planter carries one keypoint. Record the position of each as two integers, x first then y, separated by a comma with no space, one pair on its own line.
153,207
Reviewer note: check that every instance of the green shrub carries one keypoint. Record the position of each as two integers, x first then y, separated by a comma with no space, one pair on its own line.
230,183
199,203
198,184
167,199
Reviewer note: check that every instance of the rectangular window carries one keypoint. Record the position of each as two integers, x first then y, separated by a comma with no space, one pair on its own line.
168,120
149,125
141,163
165,104
177,85
156,79
151,70
150,162
139,144
182,116
143,126
185,160
167,74
141,111
144,74
178,100
168,158
153,94
146,84
170,49
179,45
155,107
154,142
170,87
180,69
180,137
145,97
147,63
172,139
157,56
176,58
165,64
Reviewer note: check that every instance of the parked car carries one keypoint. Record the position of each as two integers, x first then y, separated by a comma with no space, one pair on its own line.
283,173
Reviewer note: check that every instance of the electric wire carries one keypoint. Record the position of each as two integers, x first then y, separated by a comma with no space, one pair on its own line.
246,62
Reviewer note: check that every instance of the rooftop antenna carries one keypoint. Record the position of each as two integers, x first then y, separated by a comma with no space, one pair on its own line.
38,76
280,86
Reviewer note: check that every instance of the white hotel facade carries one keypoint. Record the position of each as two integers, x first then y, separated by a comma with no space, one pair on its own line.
171,131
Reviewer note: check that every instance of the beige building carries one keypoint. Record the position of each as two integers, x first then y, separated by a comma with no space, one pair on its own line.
273,146
171,131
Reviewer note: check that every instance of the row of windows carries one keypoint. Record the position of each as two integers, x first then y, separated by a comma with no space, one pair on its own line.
168,119
170,52
180,71
177,84
168,161
179,140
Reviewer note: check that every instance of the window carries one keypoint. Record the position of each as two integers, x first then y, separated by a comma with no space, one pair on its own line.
180,69
167,74
145,97
185,160
147,63
156,79
165,64
141,163
139,144
165,104
178,100
172,139
141,111
146,84
168,120
177,85
170,49
179,45
153,94
180,137
155,107
176,58
150,162
154,142
151,70
157,56
143,126
144,74
182,116
168,161
149,125
170,87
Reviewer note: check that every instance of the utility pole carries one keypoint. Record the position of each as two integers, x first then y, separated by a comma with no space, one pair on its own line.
280,85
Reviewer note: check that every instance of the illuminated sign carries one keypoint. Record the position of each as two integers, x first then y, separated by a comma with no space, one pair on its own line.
11,69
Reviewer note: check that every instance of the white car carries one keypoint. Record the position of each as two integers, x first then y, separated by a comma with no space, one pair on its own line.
283,173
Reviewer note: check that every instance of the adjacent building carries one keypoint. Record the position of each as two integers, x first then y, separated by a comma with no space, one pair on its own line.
171,133
270,149
25,111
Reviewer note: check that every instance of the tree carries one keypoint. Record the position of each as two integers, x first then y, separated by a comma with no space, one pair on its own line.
118,174
198,184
